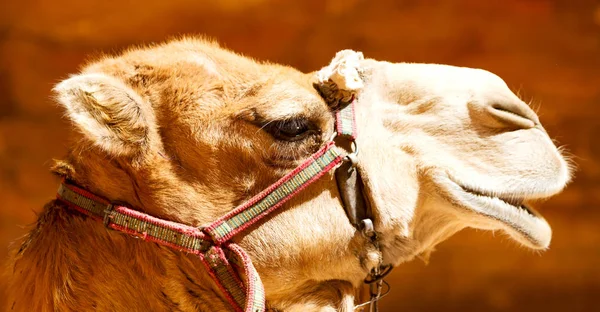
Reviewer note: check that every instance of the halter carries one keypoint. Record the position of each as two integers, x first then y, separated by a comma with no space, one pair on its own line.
227,263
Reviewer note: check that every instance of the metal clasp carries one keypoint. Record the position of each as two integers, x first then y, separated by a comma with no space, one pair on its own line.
376,293
376,283
367,229
353,156
333,136
108,215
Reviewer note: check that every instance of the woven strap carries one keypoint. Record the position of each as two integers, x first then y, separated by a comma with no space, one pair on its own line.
345,121
275,195
245,291
172,234
227,263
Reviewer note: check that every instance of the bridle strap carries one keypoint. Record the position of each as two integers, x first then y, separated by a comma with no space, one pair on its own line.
345,120
275,195
226,262
359,213
347,177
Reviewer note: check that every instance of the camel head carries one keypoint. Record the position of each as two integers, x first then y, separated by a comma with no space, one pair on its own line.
187,131
444,148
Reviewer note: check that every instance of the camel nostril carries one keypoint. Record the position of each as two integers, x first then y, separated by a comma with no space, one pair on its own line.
517,115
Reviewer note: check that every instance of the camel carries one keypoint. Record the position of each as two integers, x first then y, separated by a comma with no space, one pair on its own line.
186,130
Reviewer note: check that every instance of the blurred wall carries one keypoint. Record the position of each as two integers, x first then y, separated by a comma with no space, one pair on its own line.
547,49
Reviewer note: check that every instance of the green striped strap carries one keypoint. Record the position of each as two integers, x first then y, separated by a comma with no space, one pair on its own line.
227,279
175,235
94,206
237,278
275,196
229,266
345,123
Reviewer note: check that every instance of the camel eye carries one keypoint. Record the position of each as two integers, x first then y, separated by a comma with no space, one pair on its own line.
291,129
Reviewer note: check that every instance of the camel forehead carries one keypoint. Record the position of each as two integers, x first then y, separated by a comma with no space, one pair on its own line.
204,77
436,78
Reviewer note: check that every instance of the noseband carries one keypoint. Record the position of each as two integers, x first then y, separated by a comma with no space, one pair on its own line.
226,262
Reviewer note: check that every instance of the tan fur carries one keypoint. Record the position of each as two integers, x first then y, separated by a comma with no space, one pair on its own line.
179,131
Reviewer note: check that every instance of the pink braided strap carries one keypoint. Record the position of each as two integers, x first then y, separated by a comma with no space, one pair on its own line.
240,283
228,265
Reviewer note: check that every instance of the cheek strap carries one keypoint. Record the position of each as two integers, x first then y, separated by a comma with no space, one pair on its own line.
351,188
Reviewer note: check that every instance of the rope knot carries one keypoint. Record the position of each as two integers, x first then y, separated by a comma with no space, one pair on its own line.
339,81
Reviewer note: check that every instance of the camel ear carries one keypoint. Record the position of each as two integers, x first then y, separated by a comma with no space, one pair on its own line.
112,115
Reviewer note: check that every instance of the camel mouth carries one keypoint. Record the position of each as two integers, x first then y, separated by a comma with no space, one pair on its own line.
517,202
510,212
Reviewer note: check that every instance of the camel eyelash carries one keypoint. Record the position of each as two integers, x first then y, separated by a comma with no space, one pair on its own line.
292,129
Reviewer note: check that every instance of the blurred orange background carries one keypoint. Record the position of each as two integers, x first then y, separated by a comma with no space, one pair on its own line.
549,50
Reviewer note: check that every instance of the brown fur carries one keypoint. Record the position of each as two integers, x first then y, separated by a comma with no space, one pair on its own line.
180,131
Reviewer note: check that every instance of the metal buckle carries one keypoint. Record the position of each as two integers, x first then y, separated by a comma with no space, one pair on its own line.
108,215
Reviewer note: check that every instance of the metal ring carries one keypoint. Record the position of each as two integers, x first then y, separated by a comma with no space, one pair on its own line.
353,156
374,301
367,228
354,147
352,159
333,136
384,270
